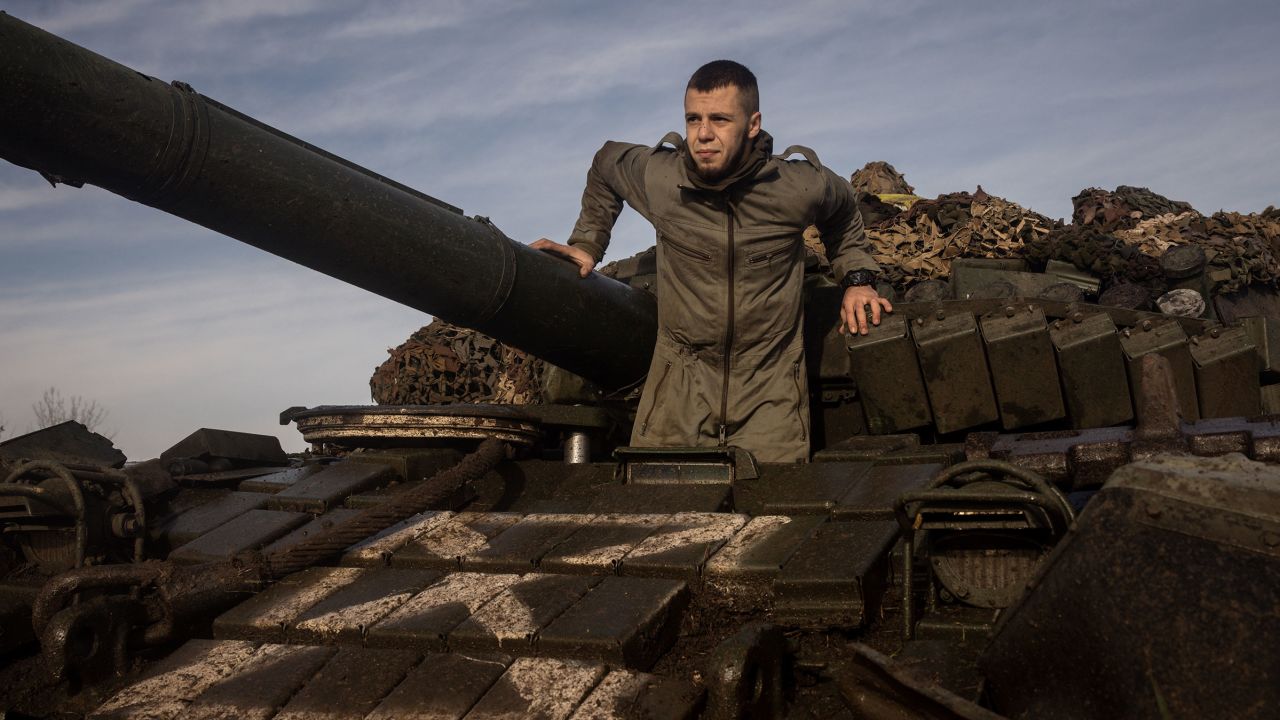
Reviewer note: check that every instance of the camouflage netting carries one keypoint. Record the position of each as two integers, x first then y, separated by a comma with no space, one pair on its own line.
1121,208
920,243
1117,235
1120,236
444,363
880,178
1240,249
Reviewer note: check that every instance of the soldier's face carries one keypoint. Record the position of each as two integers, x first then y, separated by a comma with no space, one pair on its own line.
718,130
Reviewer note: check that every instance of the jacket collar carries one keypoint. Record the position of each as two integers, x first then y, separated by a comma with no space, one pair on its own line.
758,164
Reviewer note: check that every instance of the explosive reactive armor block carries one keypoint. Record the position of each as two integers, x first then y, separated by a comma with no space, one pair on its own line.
883,363
1170,340
955,371
1226,368
1022,366
1094,383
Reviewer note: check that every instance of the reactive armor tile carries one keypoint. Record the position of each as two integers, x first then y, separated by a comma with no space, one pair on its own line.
598,548
652,498
680,548
955,371
799,489
626,622
329,487
1226,369
884,365
629,694
510,621
311,529
1167,338
446,544
258,687
742,570
1091,363
203,518
169,686
443,687
378,549
520,547
277,481
871,498
425,620
265,616
350,685
543,688
344,615
836,578
249,531
1023,369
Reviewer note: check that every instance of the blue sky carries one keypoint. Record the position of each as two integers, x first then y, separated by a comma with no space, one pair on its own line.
497,107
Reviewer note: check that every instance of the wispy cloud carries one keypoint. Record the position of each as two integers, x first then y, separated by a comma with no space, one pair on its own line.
67,17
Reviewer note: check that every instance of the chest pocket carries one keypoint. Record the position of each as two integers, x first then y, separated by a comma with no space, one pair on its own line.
685,251
775,252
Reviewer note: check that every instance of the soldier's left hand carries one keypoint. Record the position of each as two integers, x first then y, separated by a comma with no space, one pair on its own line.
861,309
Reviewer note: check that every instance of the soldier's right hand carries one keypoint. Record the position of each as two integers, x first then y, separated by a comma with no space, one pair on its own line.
584,261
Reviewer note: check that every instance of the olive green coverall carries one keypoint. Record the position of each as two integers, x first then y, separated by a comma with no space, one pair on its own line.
728,367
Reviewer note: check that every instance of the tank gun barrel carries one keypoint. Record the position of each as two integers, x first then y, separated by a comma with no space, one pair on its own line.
77,117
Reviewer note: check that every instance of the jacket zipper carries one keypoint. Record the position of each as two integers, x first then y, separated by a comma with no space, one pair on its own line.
795,371
728,332
644,426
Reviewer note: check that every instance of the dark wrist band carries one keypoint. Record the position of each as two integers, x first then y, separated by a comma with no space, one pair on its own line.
857,278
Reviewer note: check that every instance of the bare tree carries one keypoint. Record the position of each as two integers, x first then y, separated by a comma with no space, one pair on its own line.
53,408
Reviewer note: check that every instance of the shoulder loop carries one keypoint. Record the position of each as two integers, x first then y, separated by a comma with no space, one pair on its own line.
808,154
673,138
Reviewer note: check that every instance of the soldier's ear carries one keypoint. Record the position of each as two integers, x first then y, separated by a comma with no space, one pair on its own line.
753,125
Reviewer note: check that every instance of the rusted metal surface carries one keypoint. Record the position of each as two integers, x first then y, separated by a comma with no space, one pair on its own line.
406,425
1168,339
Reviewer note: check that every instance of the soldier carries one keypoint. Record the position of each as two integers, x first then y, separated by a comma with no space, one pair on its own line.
728,368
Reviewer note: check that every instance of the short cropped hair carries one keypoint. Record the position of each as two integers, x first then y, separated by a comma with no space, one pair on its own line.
723,73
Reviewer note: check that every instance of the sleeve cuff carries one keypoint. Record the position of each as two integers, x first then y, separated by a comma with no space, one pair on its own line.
591,246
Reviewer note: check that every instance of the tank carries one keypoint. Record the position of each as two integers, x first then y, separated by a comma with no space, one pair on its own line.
1019,505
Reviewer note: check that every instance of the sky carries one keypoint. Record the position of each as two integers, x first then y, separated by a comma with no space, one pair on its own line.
498,107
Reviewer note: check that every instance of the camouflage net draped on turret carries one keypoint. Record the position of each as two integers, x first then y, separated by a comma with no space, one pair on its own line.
920,243
1120,235
1116,235
444,363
